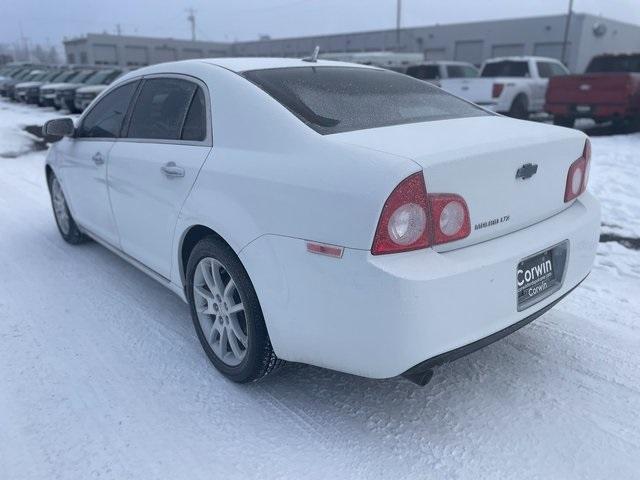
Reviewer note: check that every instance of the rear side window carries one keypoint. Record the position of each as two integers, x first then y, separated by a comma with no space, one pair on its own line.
461,71
342,99
161,108
105,119
424,72
550,69
506,68
196,122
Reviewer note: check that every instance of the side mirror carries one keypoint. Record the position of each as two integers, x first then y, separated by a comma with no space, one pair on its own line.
58,128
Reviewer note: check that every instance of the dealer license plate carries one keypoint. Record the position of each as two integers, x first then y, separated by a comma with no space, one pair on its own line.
541,275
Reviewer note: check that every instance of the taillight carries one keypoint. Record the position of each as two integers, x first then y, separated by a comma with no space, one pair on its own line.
403,222
450,218
578,175
412,220
496,91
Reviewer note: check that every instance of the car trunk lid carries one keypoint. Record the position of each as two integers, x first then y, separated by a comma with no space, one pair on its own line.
478,158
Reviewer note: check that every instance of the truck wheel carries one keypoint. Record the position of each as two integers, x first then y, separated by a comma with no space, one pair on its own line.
520,107
564,121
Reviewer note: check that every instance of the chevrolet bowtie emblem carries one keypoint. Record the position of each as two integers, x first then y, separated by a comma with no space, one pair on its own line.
527,170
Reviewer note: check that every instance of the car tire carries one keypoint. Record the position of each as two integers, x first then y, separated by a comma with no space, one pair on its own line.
64,220
520,107
564,121
220,325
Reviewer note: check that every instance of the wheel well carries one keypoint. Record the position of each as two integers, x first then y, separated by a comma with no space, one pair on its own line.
191,238
521,97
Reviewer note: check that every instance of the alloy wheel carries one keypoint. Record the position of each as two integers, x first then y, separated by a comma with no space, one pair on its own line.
220,311
60,207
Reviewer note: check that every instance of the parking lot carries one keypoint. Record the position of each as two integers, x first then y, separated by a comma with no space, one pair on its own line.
102,374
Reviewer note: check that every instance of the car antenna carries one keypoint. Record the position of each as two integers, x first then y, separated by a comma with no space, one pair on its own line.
314,56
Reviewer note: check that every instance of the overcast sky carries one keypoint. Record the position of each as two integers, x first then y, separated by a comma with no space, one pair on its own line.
51,20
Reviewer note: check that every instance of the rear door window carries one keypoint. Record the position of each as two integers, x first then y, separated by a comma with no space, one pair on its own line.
104,120
161,109
195,125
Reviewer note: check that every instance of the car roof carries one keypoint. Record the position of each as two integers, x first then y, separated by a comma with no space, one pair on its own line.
522,58
244,64
445,63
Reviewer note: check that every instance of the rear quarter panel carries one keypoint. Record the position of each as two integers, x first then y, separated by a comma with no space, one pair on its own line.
268,173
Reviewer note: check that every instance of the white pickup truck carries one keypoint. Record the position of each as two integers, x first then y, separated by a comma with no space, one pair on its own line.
515,86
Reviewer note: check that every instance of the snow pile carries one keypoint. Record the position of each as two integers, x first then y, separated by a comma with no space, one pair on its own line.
14,141
615,179
101,374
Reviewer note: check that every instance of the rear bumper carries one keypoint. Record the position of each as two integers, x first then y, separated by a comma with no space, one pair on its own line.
597,111
423,370
379,316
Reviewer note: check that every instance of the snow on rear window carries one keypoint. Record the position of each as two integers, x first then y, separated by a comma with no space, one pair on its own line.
342,99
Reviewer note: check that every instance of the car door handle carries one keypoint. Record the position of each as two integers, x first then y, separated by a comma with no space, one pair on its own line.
97,158
170,169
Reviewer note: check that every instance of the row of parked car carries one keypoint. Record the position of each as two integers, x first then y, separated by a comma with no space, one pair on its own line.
71,88
609,90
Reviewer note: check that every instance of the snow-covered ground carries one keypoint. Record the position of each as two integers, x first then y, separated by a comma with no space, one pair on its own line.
101,374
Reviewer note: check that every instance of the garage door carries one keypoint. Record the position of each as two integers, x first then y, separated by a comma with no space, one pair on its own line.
550,49
136,56
507,50
105,55
165,54
469,51
192,53
435,54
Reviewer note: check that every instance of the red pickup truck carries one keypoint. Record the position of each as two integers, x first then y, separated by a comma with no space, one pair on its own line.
609,90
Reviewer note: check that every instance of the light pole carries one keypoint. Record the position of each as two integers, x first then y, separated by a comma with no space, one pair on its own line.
398,23
192,20
566,32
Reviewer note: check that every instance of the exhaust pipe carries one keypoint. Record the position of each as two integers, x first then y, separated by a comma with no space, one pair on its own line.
419,378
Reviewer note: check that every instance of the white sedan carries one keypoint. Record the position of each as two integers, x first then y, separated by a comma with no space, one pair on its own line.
338,215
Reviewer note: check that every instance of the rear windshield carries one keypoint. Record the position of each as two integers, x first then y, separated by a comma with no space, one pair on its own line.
343,99
506,68
66,76
102,77
83,76
620,63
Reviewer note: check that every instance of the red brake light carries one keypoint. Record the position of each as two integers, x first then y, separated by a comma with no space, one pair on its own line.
412,220
403,222
497,90
450,218
578,175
